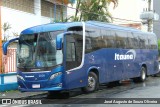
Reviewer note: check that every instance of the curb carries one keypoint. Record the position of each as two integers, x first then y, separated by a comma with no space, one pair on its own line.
5,85
9,86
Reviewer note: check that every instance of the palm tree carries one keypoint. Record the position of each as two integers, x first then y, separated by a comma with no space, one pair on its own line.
6,26
94,10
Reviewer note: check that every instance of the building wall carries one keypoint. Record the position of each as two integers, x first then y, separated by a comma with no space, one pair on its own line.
21,20
156,24
129,10
19,5
21,14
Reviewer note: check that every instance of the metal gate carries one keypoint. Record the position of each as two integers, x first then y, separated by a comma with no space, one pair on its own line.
9,61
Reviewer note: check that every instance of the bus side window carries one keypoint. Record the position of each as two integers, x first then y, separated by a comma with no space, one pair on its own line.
112,39
146,44
149,41
121,38
130,40
71,51
153,41
88,46
141,42
104,41
95,38
136,41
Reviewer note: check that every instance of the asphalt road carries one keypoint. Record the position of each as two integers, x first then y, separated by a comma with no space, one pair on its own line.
127,90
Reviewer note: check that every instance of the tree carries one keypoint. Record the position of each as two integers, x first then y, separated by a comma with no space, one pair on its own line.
93,10
6,26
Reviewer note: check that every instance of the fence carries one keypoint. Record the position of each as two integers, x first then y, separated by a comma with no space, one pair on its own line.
9,61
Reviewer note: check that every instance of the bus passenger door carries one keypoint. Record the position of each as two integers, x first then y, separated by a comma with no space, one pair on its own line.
74,45
70,53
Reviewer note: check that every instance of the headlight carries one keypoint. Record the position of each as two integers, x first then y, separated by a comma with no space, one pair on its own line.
20,77
55,75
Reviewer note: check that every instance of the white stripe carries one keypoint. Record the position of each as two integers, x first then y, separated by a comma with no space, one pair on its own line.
19,105
83,55
3,105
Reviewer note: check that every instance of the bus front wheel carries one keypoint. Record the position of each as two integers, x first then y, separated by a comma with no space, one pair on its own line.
92,83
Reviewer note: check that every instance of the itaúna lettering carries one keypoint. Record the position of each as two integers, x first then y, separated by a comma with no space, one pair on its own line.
130,55
123,57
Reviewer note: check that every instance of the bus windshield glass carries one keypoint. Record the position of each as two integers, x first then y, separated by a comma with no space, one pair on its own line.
39,50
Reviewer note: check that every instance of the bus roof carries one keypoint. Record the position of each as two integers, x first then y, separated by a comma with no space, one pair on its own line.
66,25
113,26
50,27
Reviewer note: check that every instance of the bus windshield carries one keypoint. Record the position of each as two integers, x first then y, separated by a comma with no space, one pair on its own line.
38,50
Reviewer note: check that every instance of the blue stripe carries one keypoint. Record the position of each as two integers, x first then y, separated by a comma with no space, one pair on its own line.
8,86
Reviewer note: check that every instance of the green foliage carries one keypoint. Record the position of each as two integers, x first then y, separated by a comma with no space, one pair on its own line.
15,34
158,44
6,26
58,21
93,10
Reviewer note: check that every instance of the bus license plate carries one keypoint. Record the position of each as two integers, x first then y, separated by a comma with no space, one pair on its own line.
35,85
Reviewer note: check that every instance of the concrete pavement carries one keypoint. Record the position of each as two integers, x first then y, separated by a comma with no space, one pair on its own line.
18,94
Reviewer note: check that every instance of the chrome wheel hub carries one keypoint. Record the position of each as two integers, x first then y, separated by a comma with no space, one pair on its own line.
91,82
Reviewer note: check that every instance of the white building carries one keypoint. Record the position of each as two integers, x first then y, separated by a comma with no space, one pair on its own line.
156,24
21,14
128,13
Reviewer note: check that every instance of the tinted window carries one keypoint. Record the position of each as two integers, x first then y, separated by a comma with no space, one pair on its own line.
131,40
100,37
152,41
93,39
74,48
111,40
121,39
136,41
145,38
141,41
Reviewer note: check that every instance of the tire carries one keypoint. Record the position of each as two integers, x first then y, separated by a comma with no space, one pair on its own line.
143,75
93,83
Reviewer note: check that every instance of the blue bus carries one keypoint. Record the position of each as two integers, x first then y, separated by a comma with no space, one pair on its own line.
65,56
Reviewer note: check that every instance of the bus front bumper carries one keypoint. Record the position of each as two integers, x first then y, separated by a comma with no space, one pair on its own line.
40,89
41,85
34,87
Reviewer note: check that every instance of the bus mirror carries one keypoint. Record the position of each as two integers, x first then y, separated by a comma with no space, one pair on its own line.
5,45
59,41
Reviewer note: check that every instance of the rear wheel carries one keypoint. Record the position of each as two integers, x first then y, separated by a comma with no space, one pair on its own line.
92,83
142,77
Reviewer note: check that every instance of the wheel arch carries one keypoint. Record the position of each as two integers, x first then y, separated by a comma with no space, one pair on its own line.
145,66
94,70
